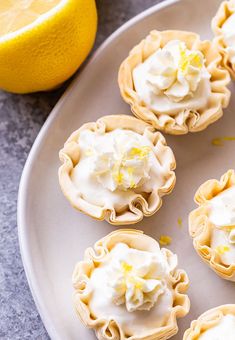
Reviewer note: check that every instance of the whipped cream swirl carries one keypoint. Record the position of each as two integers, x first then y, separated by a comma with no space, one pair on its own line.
222,212
126,165
225,329
228,30
137,278
174,71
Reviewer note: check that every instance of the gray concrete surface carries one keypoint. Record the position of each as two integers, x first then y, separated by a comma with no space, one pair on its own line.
21,117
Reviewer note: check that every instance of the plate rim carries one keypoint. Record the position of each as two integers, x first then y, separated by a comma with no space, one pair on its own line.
23,186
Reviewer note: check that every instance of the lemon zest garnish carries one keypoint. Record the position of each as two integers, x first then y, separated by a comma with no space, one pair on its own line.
183,60
133,184
219,141
222,249
118,177
137,283
141,152
130,170
165,240
193,59
127,268
119,289
229,139
180,222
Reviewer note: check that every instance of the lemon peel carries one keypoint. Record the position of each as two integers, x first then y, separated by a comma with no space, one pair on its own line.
165,240
180,222
219,141
187,60
118,177
139,153
127,271
126,267
222,249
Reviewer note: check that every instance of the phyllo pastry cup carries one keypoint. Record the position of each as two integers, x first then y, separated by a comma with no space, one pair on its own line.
174,81
223,25
212,225
217,323
117,169
129,288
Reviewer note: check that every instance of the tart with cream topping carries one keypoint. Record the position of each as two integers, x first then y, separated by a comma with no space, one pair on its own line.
129,288
117,169
223,25
212,225
173,80
215,324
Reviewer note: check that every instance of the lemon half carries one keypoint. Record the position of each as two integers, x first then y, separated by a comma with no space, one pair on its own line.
43,42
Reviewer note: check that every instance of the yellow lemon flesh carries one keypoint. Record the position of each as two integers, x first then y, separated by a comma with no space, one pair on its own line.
43,42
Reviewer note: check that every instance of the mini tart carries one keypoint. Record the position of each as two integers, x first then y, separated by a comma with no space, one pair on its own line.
181,121
108,328
201,229
207,321
226,9
139,204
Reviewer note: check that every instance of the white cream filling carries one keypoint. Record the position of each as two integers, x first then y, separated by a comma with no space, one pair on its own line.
220,242
173,79
224,330
114,166
107,302
222,216
228,30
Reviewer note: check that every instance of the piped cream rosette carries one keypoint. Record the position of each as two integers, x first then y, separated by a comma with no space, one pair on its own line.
117,169
174,81
212,225
223,25
129,288
217,323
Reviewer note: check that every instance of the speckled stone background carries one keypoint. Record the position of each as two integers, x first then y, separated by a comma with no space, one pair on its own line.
21,118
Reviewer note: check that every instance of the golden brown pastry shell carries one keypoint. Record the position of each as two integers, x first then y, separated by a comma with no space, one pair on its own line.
226,9
208,320
200,227
110,330
140,205
184,121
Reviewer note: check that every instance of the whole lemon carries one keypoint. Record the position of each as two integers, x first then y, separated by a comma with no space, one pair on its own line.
43,42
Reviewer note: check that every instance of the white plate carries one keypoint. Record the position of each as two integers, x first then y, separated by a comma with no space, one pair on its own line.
53,235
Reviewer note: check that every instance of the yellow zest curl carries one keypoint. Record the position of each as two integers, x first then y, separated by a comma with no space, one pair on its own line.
165,240
222,249
127,268
219,141
192,59
137,283
118,177
141,152
180,222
